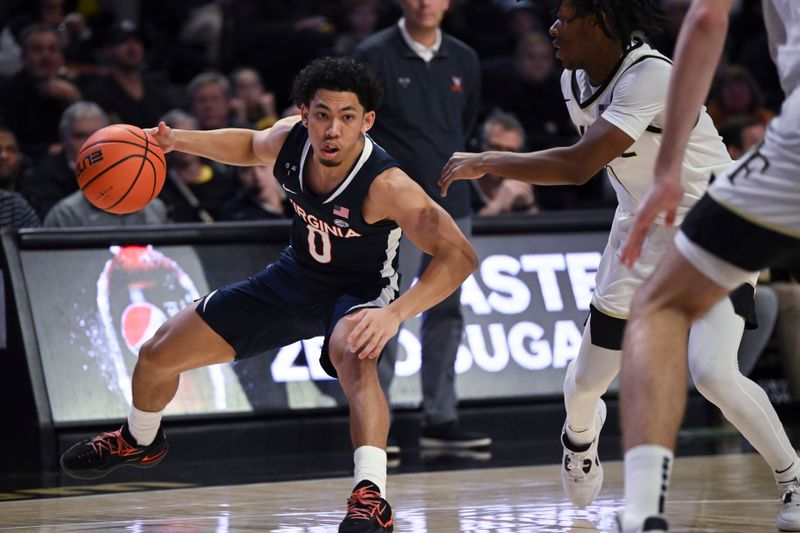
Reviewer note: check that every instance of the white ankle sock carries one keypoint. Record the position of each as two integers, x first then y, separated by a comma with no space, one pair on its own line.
370,464
143,425
581,437
647,473
788,474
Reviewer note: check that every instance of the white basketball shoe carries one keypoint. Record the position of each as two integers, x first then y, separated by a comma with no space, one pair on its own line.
789,517
581,471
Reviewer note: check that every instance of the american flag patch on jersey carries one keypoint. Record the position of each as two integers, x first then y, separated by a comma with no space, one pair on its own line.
341,211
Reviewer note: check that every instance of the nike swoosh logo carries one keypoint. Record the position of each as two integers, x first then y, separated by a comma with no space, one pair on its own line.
287,189
151,458
785,469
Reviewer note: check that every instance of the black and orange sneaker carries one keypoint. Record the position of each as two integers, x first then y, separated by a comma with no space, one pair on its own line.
367,512
97,456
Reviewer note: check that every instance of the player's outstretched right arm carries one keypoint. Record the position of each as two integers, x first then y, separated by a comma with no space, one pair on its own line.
232,146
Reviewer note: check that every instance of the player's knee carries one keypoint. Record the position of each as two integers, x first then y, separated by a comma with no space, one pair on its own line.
153,353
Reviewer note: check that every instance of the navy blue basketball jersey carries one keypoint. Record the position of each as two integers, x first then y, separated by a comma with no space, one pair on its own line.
330,241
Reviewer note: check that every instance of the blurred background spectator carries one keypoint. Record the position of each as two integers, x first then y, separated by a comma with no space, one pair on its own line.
251,104
196,189
32,100
260,198
361,22
16,212
736,94
125,93
741,133
493,195
11,160
54,177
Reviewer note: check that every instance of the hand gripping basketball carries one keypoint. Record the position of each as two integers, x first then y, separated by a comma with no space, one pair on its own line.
120,168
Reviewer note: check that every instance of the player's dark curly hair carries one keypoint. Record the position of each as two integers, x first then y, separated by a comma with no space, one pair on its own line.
620,19
338,74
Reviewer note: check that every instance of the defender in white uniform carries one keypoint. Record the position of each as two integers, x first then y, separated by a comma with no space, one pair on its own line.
616,96
748,220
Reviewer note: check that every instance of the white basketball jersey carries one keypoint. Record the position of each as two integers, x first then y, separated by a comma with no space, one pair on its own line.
782,19
633,99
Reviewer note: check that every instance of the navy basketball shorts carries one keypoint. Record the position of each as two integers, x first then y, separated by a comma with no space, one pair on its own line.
277,307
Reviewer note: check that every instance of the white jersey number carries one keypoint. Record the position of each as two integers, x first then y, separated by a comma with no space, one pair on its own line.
320,251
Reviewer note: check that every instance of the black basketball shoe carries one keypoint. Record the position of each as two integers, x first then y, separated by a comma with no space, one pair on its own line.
367,512
97,456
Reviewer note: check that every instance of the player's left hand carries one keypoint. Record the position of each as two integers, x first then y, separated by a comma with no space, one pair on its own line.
461,166
373,329
663,197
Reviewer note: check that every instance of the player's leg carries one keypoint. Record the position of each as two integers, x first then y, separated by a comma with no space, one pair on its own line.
712,361
653,380
182,343
587,379
367,511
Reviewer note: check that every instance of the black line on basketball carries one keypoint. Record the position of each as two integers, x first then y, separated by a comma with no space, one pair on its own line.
85,185
133,183
105,141
134,132
163,163
155,180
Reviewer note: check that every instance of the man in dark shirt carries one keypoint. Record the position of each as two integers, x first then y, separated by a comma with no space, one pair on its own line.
32,100
125,94
432,96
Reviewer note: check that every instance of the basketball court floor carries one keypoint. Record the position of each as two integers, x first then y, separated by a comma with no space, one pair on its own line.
725,493
261,476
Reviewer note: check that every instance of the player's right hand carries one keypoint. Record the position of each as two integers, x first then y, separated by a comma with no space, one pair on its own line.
461,166
165,136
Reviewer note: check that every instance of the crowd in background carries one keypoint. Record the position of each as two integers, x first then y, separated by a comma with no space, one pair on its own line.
68,68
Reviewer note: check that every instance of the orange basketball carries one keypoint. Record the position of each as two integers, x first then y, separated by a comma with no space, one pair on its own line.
120,168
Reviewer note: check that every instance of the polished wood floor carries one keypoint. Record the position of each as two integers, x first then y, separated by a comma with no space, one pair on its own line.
725,493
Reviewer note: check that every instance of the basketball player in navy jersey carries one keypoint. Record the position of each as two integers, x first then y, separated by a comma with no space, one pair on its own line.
749,219
615,89
337,278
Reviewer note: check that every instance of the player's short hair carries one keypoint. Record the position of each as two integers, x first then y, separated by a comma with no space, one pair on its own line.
620,20
338,74
78,110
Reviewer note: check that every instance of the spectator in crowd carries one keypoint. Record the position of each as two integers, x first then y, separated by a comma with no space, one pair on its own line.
209,100
11,160
362,20
251,104
534,94
16,212
76,36
736,94
260,198
494,195
665,41
32,100
196,188
75,211
125,93
741,133
278,38
54,177
430,108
